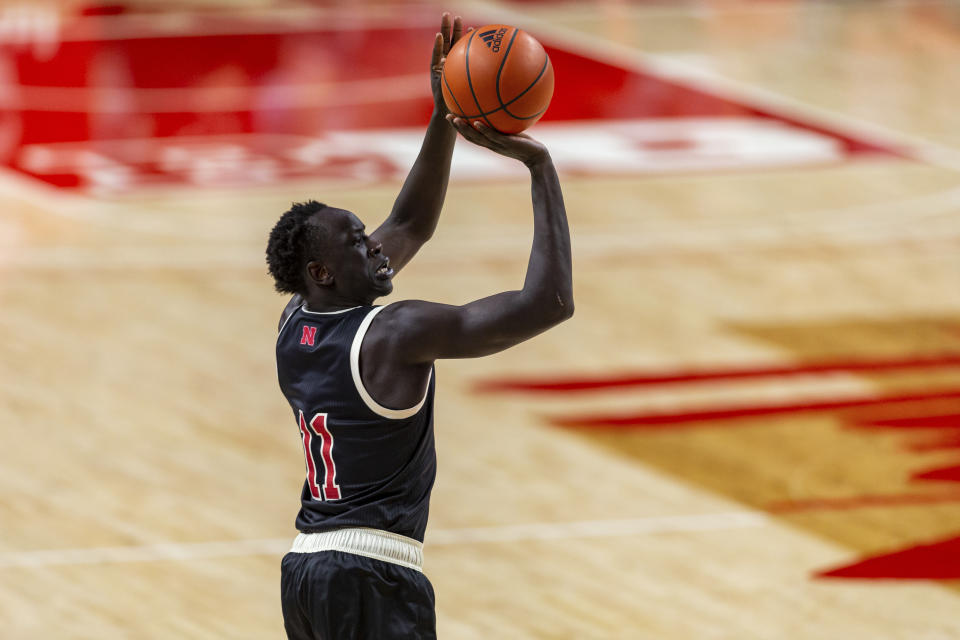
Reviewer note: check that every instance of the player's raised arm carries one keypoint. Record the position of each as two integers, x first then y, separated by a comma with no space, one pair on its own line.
420,332
416,211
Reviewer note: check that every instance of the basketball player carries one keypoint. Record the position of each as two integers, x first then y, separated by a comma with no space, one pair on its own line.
360,380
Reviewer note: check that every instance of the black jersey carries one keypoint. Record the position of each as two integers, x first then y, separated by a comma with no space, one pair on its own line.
367,465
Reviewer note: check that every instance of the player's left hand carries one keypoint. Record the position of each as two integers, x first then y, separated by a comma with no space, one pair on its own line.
519,146
450,32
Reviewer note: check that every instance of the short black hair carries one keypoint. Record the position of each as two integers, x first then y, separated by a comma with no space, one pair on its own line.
291,242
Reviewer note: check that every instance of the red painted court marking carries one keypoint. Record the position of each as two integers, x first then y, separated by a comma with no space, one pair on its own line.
939,421
682,376
694,418
942,474
948,423
940,444
938,560
860,502
267,85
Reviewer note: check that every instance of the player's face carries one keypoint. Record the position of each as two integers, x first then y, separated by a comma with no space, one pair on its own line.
360,270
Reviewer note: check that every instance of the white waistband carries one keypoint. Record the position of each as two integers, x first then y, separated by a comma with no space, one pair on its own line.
372,543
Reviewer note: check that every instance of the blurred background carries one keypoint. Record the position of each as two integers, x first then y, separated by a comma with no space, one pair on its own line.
750,429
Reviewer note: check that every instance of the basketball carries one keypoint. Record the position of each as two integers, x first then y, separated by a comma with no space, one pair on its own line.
498,74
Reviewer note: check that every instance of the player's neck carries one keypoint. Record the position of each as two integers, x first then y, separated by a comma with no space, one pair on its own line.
324,301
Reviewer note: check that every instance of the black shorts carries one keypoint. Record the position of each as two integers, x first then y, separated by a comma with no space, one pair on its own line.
333,595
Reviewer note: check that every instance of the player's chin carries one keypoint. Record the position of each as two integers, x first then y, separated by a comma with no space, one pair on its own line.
382,286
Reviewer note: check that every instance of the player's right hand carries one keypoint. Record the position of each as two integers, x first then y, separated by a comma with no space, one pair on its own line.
519,146
448,36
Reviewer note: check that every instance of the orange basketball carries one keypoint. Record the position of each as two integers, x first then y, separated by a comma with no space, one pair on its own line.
498,74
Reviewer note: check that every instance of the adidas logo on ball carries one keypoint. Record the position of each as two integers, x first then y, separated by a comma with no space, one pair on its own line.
493,39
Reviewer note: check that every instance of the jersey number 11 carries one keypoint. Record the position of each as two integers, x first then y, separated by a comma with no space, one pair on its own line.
318,427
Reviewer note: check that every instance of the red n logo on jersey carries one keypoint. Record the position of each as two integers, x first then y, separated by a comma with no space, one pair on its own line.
309,335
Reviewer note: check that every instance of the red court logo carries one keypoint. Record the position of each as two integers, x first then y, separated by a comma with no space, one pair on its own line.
926,418
355,118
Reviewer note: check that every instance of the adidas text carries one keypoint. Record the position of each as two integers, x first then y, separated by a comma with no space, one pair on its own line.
494,38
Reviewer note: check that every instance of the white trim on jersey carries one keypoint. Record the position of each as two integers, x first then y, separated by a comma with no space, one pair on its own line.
325,313
284,325
373,405
303,308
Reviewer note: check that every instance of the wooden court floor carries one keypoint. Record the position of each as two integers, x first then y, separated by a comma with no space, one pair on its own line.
151,470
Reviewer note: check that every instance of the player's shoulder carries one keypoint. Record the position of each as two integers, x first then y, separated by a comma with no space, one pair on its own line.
292,307
396,330
405,321
413,309
388,320
398,314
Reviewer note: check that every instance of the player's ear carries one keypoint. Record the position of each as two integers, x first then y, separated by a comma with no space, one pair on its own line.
319,273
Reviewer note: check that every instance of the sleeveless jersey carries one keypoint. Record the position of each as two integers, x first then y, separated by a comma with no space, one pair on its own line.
367,465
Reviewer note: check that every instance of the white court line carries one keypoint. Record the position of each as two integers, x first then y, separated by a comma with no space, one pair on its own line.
599,528
692,523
